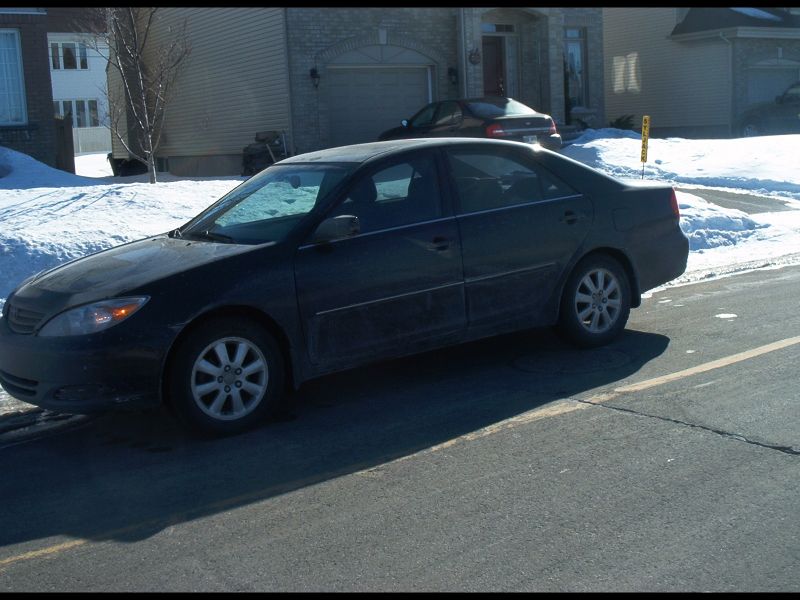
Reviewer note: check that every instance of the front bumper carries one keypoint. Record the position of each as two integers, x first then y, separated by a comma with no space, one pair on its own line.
80,374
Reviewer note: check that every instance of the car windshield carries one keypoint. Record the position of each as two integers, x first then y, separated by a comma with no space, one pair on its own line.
491,108
266,207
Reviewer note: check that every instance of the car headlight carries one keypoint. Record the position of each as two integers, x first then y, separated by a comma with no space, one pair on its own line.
91,318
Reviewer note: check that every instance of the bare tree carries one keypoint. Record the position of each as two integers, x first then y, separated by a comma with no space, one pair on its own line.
143,67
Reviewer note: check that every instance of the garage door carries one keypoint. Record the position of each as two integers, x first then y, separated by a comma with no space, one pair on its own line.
363,102
764,84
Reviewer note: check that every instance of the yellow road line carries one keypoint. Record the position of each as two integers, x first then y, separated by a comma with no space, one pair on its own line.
43,552
559,408
709,366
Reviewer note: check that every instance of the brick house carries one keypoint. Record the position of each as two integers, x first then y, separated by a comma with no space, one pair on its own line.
26,96
334,76
695,70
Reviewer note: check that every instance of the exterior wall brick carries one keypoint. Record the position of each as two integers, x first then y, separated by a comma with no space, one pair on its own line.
316,36
38,137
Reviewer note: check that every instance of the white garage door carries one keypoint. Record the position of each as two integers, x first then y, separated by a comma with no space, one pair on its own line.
363,102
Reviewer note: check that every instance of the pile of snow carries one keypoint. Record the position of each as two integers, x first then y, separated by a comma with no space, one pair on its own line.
765,165
48,216
63,216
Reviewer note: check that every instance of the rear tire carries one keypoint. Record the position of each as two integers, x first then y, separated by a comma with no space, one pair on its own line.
227,375
596,302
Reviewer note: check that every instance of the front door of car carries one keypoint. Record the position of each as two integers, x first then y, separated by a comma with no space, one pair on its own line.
396,284
519,226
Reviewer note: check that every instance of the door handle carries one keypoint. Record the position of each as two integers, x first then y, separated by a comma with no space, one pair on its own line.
439,244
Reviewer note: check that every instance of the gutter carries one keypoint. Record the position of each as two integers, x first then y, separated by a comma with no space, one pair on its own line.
462,53
730,82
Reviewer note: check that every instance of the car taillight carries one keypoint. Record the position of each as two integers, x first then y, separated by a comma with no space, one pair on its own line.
553,127
673,202
496,130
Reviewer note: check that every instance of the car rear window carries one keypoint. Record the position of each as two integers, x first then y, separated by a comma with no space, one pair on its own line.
491,108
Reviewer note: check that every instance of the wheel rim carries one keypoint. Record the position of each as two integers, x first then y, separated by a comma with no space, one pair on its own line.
598,301
229,378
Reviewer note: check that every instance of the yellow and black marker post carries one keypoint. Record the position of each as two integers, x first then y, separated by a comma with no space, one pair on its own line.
645,137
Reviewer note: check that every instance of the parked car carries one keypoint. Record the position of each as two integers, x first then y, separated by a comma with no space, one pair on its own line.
489,117
777,117
335,258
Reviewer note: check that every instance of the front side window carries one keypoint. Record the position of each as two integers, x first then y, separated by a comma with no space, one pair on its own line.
424,117
487,180
401,194
12,85
266,207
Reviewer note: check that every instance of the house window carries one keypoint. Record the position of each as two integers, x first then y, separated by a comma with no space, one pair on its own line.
12,85
82,113
68,56
575,58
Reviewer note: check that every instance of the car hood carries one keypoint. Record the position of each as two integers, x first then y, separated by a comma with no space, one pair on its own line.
115,271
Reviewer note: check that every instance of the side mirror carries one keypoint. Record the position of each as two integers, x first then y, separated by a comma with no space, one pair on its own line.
336,228
404,122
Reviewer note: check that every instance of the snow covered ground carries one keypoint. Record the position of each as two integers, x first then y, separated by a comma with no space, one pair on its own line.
49,216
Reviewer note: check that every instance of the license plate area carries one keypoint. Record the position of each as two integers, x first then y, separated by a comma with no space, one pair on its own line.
530,139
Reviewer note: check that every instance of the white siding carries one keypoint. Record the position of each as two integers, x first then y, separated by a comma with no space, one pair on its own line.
81,84
235,81
679,84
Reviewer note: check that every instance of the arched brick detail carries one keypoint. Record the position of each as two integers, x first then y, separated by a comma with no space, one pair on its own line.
373,39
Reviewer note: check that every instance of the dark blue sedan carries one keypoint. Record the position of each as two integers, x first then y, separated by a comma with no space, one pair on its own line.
332,259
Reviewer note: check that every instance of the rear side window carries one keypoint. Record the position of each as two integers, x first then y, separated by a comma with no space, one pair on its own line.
491,108
487,180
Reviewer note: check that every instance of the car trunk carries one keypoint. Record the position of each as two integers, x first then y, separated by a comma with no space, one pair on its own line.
520,128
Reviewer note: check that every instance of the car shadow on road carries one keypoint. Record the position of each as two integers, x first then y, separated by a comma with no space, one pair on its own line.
127,476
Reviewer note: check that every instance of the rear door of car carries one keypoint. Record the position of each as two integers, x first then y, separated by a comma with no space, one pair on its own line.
398,283
519,226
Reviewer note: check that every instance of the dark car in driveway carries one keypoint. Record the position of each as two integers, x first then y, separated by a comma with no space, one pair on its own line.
780,116
333,259
488,117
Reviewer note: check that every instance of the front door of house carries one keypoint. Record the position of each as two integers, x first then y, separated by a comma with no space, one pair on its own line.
493,66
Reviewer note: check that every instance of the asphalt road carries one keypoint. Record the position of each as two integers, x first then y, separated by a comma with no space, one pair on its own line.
749,203
667,461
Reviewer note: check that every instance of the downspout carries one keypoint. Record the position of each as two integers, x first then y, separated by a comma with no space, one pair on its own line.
730,83
463,52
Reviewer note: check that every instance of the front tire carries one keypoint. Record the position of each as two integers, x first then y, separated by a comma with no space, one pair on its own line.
596,302
227,375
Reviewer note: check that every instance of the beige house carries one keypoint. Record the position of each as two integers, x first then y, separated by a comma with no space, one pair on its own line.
333,76
695,70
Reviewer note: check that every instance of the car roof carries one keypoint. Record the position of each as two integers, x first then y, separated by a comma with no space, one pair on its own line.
359,153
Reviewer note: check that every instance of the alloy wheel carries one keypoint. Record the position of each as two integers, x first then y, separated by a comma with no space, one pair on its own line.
598,300
229,378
